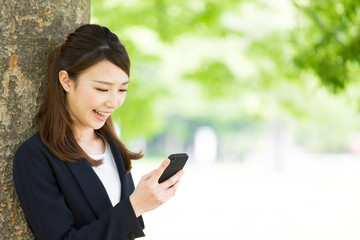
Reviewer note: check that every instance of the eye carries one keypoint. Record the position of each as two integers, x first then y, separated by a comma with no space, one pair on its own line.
101,90
123,90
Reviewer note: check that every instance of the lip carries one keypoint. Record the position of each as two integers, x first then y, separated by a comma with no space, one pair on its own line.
101,118
104,111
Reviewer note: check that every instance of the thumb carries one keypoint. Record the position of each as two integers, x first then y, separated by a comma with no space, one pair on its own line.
160,169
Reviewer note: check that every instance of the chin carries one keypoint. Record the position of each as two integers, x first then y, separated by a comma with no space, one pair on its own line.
98,127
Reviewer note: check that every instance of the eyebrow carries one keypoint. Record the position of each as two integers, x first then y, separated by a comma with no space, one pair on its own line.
109,83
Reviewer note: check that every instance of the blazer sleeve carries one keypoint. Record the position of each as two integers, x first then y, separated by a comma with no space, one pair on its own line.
46,210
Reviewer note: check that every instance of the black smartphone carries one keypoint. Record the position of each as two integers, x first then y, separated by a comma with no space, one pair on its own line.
177,162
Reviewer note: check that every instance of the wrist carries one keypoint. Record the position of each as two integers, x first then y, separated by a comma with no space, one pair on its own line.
135,206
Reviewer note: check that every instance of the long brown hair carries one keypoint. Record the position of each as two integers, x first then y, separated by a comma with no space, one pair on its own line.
86,46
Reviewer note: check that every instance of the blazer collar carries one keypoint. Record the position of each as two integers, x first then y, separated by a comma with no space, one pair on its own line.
92,186
127,185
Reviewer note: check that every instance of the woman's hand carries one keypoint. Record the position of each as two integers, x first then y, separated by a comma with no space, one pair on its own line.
149,194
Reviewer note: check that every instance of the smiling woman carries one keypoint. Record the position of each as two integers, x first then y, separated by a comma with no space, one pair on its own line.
90,53
90,102
73,177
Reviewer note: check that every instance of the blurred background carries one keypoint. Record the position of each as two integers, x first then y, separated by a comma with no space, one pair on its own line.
263,95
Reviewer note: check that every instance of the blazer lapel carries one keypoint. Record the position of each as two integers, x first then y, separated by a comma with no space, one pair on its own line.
127,184
91,186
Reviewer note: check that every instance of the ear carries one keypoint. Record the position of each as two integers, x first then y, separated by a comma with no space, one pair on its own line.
65,80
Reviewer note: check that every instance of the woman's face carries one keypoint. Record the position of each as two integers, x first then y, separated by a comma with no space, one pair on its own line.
98,92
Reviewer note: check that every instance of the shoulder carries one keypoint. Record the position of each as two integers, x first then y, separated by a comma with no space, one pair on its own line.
33,140
31,161
31,144
32,152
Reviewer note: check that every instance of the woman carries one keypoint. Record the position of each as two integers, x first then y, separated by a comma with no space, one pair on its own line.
73,177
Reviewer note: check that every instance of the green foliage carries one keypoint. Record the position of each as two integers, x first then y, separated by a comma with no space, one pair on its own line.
168,18
147,28
234,65
135,116
328,40
215,77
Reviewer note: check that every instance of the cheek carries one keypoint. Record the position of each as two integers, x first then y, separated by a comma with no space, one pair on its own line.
90,98
93,100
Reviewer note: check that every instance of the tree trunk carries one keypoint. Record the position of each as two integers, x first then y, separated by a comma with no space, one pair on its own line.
29,30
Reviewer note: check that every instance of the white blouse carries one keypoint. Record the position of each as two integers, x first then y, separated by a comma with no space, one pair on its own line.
108,174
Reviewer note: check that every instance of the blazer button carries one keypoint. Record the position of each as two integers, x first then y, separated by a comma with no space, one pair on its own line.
132,235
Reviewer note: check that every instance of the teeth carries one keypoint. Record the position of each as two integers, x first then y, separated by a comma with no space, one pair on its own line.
104,114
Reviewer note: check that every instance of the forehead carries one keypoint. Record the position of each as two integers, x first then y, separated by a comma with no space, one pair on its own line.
104,71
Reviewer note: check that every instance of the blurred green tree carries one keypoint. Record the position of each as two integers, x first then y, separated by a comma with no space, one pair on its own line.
149,29
235,64
328,40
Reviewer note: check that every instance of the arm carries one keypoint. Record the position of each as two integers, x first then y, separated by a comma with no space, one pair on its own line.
47,211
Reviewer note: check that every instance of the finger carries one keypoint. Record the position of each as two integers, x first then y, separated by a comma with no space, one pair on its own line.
171,191
167,193
148,175
173,180
175,186
160,169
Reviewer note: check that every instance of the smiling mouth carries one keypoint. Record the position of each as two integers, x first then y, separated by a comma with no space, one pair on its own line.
102,114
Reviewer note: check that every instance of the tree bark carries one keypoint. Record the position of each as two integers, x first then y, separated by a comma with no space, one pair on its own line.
29,30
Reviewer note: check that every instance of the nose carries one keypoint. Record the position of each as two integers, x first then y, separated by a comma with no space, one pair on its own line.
112,101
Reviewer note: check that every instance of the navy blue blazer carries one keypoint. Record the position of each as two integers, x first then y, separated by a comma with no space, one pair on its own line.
64,200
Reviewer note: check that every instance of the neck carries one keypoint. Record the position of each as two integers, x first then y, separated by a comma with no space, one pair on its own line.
85,135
